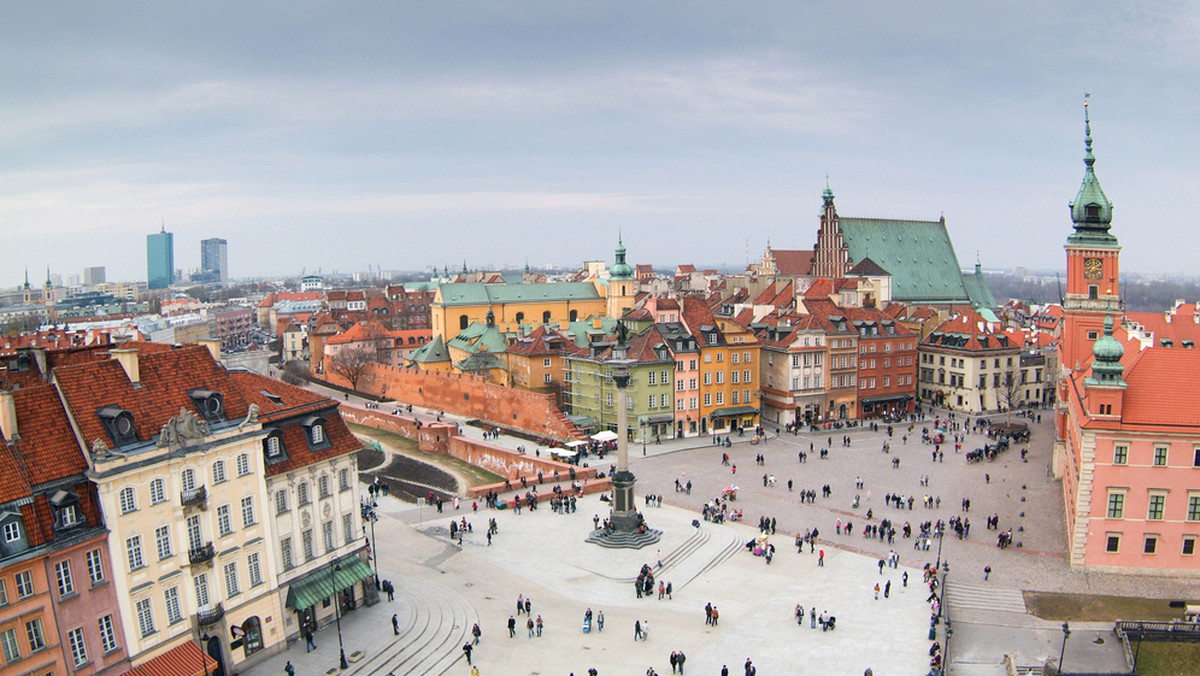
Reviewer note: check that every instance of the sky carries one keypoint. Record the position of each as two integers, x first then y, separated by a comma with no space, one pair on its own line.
342,136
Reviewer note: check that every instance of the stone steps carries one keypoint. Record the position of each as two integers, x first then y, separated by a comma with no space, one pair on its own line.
431,641
978,597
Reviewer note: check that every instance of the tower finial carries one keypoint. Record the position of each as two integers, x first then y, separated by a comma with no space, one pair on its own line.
1088,158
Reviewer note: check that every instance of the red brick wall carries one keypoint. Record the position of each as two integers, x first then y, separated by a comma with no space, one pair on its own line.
430,438
468,396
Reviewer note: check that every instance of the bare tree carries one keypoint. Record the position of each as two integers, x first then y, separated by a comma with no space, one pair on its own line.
351,363
294,373
1008,394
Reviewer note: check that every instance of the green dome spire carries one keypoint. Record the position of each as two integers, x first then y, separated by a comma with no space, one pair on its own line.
827,195
1107,368
620,269
1091,211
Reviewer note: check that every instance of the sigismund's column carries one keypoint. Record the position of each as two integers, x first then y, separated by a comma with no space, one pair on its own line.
625,518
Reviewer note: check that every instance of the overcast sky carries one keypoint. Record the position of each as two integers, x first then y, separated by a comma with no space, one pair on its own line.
342,135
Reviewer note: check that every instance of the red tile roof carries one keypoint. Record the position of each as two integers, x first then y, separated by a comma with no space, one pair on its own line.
793,262
1183,324
1149,373
186,659
289,400
48,445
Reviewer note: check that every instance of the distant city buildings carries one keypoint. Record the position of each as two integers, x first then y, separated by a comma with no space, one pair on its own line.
214,259
93,276
160,259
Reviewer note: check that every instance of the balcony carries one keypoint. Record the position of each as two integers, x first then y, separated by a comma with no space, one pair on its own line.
196,497
201,555
211,615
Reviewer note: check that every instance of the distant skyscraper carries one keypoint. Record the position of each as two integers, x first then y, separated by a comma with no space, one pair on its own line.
93,276
214,258
160,259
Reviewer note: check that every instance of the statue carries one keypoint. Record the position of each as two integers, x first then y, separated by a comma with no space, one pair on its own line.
185,427
251,416
622,333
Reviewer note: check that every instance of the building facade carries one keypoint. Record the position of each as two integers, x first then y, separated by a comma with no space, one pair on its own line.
214,258
160,260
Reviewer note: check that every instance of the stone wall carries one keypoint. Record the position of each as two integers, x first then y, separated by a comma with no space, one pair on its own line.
467,396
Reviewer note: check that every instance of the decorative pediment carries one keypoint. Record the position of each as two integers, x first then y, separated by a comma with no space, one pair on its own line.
183,429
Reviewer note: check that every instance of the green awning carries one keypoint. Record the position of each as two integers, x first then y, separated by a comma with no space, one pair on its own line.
731,411
315,587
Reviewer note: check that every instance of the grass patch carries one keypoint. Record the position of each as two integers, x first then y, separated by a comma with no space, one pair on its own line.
1098,608
468,474
1168,659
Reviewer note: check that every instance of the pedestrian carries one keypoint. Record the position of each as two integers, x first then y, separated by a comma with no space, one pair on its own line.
539,626
637,629
812,618
600,620
987,570
904,579
520,603
395,625
476,633
716,616
512,626
681,659
724,670
669,591
662,589
749,667
529,626
674,661
821,558
887,589
528,605
474,671
876,591
289,669
308,638
467,651
708,613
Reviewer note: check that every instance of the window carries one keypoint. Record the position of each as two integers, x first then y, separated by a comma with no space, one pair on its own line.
127,502
327,535
720,398
108,636
218,471
318,434
708,378
1189,545
171,598
1160,456
274,446
95,567
193,531
1120,454
348,527
1155,510
323,485
1193,513
62,574
746,376
188,479
133,552
145,617
344,480
285,553
248,511
158,491
243,464
1116,504
3,594
1196,458
302,493
651,378
201,590
255,570
162,541
650,401
720,377
1150,546
307,542
546,378
8,639
232,588
708,399
734,378
33,629
281,502
734,397
78,648
12,531
224,525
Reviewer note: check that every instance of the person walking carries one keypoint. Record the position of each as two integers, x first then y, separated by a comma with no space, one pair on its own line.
637,629
821,558
476,632
529,626
539,626
395,625
876,591
887,589
681,659
600,620
512,626
289,669
987,570
308,640
467,651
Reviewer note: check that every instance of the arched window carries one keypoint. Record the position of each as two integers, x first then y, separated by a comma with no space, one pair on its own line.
253,637
546,317
574,315
218,471
520,317
128,503
188,479
158,491
302,493
462,321
243,464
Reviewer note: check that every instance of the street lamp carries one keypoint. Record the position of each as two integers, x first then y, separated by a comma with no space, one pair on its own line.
334,567
642,424
1066,629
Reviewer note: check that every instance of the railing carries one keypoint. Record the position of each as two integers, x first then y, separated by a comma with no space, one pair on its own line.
212,615
1159,631
194,497
198,555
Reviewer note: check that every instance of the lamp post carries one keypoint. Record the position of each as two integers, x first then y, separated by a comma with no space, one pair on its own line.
334,567
1066,629
642,424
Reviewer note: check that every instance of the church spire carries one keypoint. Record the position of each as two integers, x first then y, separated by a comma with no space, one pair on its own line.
1106,367
1091,211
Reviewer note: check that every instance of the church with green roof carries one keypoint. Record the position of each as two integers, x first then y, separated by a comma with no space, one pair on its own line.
918,255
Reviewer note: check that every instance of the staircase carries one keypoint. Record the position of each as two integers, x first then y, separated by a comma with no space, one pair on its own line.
431,642
961,596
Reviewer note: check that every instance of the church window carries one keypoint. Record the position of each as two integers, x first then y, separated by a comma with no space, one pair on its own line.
546,317
462,321
1093,292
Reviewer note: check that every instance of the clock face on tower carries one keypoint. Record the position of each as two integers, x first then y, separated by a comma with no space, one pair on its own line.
1093,268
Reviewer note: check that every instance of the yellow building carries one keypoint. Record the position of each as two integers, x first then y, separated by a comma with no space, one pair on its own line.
457,306
729,389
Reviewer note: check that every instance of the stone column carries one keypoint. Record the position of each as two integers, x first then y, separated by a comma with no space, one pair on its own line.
625,516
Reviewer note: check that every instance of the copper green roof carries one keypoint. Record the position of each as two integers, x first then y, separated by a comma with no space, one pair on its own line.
475,293
1091,211
1106,367
918,254
432,352
977,289
620,269
479,337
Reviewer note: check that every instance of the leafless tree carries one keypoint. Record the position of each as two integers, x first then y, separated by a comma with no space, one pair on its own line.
1008,394
351,363
294,373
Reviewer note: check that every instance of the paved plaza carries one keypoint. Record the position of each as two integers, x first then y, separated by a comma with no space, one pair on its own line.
443,588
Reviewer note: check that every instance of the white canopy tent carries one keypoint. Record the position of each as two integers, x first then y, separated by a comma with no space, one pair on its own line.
605,435
575,444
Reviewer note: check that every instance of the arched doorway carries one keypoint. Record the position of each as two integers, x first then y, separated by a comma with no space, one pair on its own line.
213,648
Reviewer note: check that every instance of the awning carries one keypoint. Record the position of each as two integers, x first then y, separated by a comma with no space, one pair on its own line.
656,419
606,435
880,400
582,422
730,411
185,659
573,444
563,453
315,587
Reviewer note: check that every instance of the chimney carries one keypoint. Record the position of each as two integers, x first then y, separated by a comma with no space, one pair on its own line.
128,359
213,345
8,415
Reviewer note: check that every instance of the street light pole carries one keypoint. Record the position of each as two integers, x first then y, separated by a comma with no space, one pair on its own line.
334,567
1066,629
370,516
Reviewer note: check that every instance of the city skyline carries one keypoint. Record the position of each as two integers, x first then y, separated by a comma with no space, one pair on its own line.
438,134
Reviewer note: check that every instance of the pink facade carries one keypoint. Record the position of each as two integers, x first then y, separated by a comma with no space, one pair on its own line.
89,609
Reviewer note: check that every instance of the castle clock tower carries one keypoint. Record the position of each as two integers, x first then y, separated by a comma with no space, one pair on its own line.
1093,258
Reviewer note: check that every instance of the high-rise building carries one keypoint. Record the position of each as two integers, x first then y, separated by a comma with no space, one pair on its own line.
160,259
93,276
214,258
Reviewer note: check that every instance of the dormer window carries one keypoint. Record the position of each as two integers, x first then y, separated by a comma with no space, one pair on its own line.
315,429
210,404
118,422
66,510
1092,212
13,531
273,447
